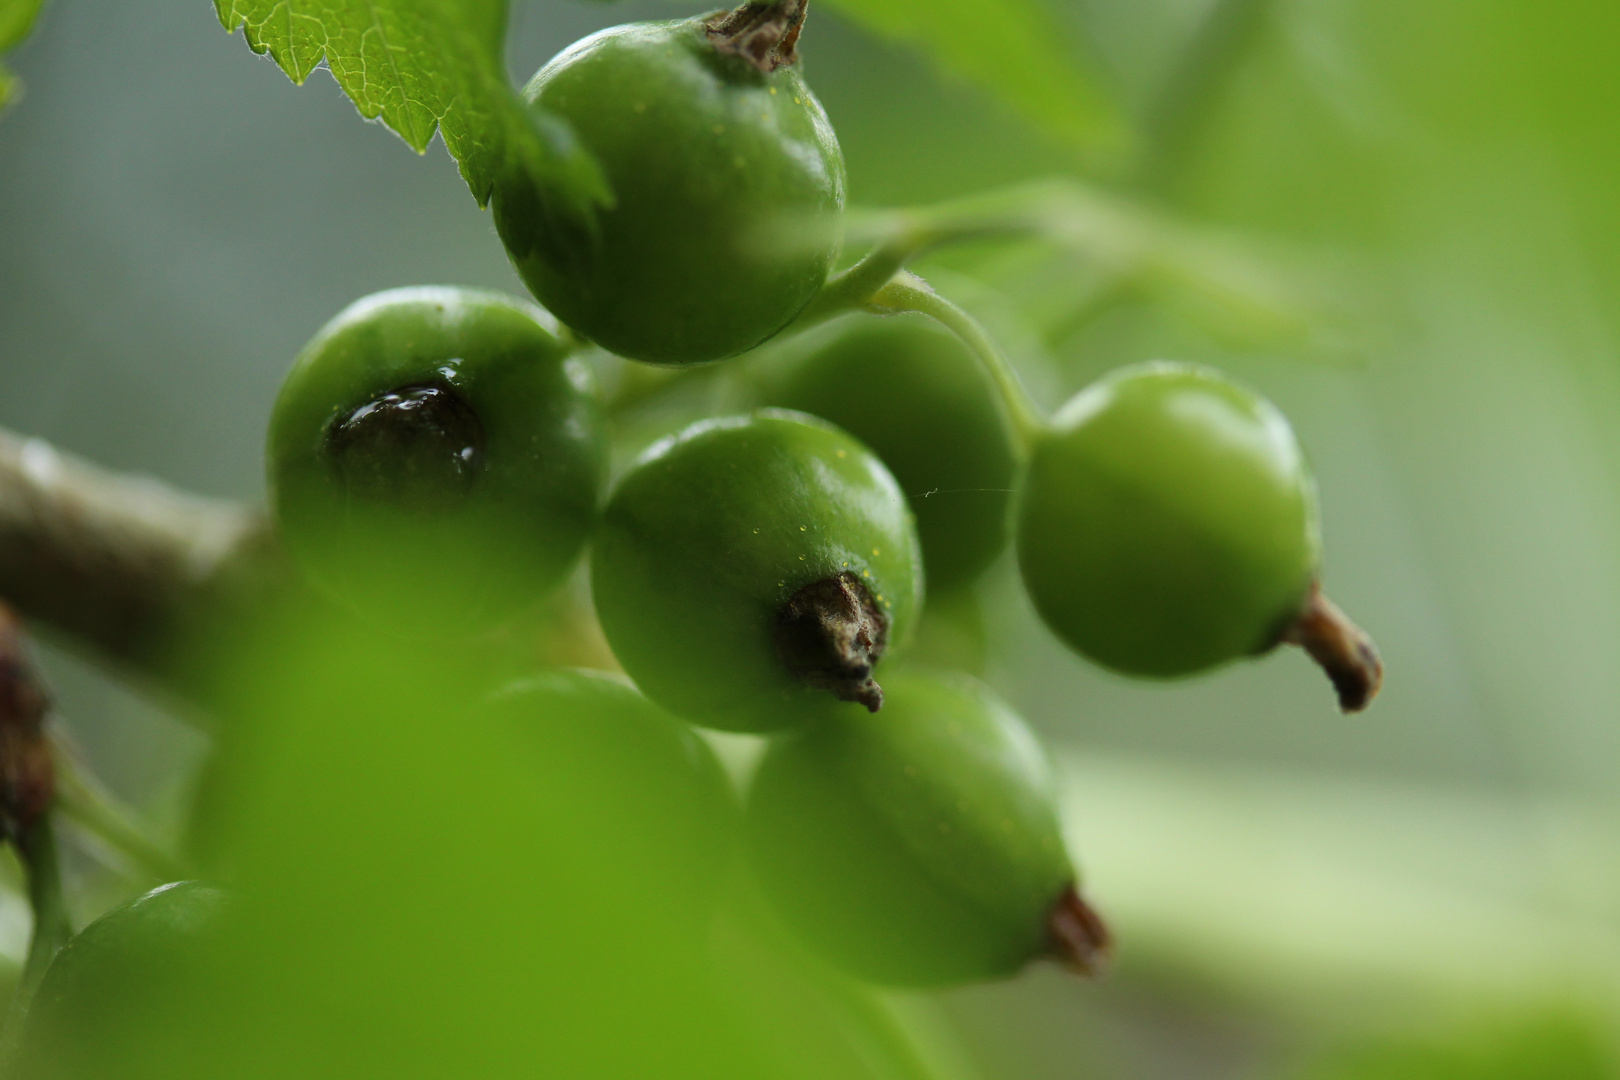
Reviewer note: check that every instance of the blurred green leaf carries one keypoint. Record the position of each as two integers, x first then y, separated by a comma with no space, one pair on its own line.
1012,48
423,66
1240,291
1556,1046
16,20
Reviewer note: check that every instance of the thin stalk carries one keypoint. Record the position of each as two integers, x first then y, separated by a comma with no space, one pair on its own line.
86,804
855,287
52,929
907,292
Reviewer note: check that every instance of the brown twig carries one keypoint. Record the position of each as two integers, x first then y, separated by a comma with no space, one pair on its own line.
125,565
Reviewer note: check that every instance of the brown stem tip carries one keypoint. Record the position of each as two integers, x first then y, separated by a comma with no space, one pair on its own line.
829,634
1341,648
1079,939
763,32
27,772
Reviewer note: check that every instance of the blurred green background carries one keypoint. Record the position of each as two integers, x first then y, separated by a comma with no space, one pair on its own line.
1429,890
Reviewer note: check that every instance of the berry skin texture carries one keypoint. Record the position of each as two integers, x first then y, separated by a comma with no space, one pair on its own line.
751,570
435,458
919,846
910,390
641,799
128,973
1168,522
728,195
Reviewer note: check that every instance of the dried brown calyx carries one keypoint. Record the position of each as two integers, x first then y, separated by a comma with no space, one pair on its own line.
417,447
763,32
1341,648
1079,939
829,634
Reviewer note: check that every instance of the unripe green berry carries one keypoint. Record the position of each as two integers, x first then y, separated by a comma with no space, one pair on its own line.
727,192
1168,523
920,846
119,983
909,389
750,570
435,457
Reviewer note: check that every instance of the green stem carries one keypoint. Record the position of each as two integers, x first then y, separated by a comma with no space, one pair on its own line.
51,931
854,287
52,927
1127,242
907,292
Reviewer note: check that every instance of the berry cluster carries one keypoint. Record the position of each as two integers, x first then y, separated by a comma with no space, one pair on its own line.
761,572
437,459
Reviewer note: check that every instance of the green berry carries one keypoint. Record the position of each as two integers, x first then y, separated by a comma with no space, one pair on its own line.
920,847
727,191
910,390
435,457
1168,523
128,973
750,569
637,791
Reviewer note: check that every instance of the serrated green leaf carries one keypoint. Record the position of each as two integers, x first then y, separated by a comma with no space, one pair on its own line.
1011,48
422,66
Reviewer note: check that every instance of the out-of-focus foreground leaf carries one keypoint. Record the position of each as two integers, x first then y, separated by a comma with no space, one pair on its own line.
423,66
1555,1046
422,886
16,19
1012,48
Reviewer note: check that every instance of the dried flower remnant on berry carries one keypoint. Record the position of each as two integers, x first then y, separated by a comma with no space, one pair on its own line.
830,634
765,34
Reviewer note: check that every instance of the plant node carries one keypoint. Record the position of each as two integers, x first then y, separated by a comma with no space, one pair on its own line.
1341,648
829,634
1080,940
27,772
763,32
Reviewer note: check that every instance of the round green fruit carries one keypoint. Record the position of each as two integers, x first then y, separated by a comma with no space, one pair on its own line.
435,457
727,190
119,984
751,569
1168,522
910,390
920,847
639,796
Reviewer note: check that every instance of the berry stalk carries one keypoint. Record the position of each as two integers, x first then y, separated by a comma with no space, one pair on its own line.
1080,940
907,292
